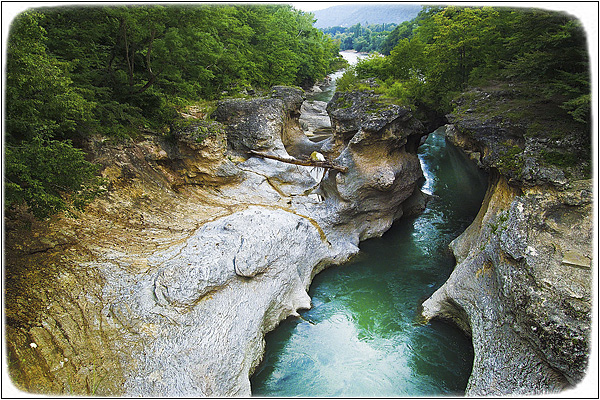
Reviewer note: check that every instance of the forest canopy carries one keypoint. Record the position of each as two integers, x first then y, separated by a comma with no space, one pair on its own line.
444,50
116,70
367,38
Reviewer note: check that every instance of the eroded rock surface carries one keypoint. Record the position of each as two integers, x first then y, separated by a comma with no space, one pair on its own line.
256,124
522,284
168,284
204,311
379,146
314,118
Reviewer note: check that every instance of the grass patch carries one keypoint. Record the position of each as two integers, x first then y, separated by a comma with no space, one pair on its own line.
563,160
510,159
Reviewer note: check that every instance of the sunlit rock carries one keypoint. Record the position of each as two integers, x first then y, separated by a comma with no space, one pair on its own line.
167,285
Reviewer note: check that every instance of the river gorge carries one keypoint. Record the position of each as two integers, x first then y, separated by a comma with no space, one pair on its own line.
364,335
168,284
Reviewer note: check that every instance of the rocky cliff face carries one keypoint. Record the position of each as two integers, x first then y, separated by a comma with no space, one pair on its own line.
377,142
522,284
168,284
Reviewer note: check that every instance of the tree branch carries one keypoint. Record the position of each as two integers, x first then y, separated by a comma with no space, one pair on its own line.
306,163
151,76
127,59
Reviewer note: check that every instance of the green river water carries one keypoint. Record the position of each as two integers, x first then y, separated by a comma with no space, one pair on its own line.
363,336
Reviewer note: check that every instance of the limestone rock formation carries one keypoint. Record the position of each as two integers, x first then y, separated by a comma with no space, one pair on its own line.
314,118
256,124
294,138
531,140
378,144
522,283
167,285
204,312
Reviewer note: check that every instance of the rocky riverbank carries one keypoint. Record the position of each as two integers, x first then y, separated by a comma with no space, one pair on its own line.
522,286
167,285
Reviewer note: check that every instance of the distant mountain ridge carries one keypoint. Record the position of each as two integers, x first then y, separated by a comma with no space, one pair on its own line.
378,13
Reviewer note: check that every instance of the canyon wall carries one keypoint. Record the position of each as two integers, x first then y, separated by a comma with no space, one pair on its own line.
522,286
167,285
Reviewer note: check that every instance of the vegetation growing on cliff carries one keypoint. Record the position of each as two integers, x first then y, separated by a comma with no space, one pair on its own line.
538,129
452,48
117,70
44,113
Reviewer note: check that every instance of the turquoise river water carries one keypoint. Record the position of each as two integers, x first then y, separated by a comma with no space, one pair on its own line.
363,336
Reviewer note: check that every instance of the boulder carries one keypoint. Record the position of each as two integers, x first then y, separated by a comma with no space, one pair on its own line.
295,140
292,98
253,124
314,118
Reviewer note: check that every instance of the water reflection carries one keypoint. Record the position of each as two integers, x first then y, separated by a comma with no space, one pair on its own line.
361,338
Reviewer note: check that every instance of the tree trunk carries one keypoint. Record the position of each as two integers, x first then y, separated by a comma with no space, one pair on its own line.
151,76
128,60
306,163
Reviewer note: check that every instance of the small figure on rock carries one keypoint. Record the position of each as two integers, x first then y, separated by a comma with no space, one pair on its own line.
316,156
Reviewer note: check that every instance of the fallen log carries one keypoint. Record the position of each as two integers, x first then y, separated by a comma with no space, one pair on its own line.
306,163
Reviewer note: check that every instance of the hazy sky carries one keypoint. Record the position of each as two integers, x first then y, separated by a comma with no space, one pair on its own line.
586,12
314,5
576,8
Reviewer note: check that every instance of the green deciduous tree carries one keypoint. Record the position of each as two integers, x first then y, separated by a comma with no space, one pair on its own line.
451,48
40,97
369,38
550,48
459,39
42,170
116,70
49,176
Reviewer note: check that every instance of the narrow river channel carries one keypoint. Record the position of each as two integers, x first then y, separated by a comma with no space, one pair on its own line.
362,336
352,57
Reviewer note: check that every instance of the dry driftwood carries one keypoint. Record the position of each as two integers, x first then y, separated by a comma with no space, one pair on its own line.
307,163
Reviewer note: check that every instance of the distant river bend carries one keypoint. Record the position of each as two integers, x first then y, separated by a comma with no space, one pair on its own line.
327,91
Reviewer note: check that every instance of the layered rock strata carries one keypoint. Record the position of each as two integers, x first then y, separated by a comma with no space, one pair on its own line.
168,284
522,283
315,120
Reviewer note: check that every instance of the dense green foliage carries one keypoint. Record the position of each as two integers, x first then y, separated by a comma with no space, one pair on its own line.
361,38
404,30
445,50
119,70
43,112
379,37
136,60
